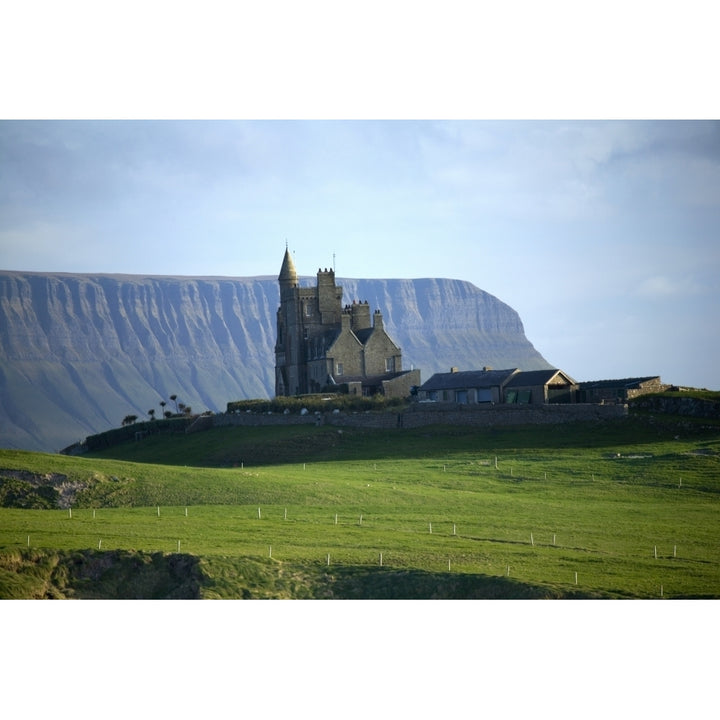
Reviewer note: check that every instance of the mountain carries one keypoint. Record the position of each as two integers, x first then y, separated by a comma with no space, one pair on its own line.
80,352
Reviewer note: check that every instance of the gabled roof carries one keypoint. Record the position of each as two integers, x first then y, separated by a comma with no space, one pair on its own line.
364,335
623,383
467,379
537,377
334,334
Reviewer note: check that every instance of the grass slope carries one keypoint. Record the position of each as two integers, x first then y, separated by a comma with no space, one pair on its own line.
624,509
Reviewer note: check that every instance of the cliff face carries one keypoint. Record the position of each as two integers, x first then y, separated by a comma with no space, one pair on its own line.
79,352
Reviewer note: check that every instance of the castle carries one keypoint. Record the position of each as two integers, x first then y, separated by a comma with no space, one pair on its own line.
323,346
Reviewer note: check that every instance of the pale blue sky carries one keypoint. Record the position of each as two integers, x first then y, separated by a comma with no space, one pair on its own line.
602,235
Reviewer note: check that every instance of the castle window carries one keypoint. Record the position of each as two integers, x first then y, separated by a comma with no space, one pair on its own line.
390,364
339,369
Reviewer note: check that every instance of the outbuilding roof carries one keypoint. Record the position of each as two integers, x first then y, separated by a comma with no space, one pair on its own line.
623,383
536,378
467,379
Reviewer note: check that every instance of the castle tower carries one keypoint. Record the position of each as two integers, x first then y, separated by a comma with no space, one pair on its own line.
286,346
329,297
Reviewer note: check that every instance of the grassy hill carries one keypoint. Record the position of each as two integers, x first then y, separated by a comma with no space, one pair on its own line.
621,509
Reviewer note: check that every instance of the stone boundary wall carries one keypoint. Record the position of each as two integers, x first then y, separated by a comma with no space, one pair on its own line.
246,419
441,414
689,406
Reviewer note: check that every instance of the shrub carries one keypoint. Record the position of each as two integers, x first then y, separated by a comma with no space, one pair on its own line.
21,494
316,403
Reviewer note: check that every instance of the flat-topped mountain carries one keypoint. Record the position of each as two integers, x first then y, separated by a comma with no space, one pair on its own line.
80,352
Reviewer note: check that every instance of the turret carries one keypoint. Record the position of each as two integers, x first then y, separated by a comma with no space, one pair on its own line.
329,297
288,277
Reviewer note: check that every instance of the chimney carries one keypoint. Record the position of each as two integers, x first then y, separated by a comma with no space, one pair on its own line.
378,320
360,313
453,369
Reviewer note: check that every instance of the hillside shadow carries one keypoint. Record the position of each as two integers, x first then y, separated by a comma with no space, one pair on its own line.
280,445
362,583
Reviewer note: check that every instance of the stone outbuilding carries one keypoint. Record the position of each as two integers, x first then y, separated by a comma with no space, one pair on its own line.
599,391
467,386
541,387
510,386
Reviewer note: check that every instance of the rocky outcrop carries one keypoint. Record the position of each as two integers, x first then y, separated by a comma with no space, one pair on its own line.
80,352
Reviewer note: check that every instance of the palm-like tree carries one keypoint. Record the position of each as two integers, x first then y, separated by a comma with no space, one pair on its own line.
151,413
174,399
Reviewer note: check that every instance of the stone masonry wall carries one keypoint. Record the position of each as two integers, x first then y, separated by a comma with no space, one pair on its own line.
690,406
421,415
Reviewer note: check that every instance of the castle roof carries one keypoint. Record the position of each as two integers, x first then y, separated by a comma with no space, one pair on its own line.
364,335
288,274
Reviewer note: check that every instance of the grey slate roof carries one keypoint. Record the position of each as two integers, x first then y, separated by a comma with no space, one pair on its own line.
364,335
624,383
535,378
467,379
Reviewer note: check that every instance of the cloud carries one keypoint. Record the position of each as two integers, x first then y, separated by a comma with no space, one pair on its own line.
679,286
47,246
659,286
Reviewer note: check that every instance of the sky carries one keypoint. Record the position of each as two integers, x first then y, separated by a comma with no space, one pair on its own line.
603,235
379,142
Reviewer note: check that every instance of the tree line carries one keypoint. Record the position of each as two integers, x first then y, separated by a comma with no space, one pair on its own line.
181,410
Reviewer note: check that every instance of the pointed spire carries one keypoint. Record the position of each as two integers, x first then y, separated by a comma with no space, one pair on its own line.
288,274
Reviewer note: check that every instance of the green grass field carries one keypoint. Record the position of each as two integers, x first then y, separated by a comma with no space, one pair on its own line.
620,510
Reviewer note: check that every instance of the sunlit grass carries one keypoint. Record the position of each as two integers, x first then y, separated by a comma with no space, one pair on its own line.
606,513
